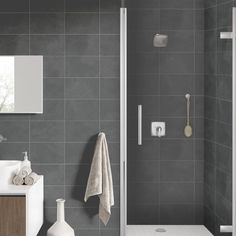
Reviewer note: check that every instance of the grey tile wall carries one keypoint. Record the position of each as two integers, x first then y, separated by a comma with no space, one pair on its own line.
80,44
165,176
218,109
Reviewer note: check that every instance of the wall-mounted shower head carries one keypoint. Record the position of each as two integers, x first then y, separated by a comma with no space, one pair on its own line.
160,40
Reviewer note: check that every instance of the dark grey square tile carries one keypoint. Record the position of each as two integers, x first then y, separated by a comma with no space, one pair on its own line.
200,41
110,5
176,149
109,23
146,171
82,110
210,85
12,151
109,45
175,106
150,105
177,4
80,45
82,66
211,40
53,66
53,110
176,84
109,110
46,23
77,174
178,171
148,151
224,87
176,192
15,131
177,19
210,62
82,218
224,134
199,63
47,6
82,6
142,193
144,19
52,193
87,232
143,214
141,4
110,66
199,19
82,23
81,131
210,18
107,232
199,84
177,63
17,23
109,88
224,63
47,153
224,208
75,197
143,63
174,214
224,14
224,184
199,171
209,175
199,148
224,158
14,45
79,153
47,45
210,107
224,111
53,174
179,41
199,106
53,88
47,131
15,6
82,88
143,85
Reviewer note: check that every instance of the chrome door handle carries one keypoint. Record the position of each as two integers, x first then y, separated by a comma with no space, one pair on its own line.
226,228
140,124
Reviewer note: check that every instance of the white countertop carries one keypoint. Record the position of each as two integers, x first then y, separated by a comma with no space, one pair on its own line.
19,189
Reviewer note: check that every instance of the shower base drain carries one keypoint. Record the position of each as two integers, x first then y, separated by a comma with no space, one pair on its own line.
160,230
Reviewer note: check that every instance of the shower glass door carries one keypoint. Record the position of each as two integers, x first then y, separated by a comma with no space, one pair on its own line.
179,108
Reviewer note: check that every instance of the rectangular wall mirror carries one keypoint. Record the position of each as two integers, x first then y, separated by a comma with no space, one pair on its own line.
21,84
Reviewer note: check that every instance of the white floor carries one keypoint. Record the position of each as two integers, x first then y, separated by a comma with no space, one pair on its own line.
170,230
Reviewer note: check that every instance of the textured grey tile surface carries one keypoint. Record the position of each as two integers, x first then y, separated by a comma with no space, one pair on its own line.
61,141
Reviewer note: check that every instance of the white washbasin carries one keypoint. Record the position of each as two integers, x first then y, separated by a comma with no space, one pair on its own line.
8,169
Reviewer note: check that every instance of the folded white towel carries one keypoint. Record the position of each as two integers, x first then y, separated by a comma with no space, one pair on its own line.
31,179
18,180
100,179
24,171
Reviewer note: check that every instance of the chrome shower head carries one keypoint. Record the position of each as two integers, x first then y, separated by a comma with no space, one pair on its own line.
160,40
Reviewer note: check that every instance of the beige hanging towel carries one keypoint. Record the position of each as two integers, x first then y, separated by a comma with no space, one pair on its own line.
100,179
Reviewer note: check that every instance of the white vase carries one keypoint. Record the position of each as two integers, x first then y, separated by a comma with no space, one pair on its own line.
60,227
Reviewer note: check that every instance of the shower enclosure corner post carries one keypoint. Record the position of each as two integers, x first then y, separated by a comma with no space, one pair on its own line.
123,120
234,122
